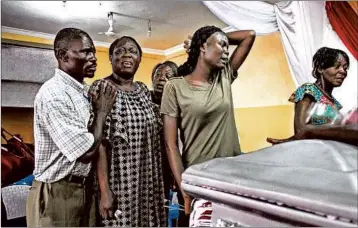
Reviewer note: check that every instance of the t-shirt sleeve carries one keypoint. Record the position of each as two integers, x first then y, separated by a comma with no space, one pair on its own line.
306,90
170,105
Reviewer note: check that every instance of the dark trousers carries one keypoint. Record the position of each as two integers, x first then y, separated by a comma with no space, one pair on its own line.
63,203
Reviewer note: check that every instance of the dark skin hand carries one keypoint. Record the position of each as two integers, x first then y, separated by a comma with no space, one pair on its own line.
107,200
103,102
342,133
125,62
244,41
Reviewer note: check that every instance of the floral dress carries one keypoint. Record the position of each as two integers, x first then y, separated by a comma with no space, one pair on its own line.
324,111
135,160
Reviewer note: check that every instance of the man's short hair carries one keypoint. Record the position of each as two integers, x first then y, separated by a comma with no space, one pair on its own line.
64,36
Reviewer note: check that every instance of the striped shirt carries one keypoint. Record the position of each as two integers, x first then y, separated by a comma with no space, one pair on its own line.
61,115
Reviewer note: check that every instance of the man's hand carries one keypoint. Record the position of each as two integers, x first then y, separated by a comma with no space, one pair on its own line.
103,100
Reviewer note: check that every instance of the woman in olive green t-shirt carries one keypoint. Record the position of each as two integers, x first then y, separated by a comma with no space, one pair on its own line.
200,103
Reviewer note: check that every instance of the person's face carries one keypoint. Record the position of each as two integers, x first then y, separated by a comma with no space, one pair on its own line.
161,76
125,59
80,57
336,74
216,50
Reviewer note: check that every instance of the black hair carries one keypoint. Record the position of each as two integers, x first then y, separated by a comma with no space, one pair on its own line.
115,43
199,38
64,36
326,57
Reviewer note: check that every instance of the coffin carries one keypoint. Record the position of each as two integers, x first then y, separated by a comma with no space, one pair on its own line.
300,183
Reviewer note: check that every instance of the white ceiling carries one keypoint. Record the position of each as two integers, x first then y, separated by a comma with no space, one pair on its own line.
171,21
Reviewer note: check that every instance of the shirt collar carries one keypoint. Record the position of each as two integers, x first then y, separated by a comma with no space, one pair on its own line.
70,81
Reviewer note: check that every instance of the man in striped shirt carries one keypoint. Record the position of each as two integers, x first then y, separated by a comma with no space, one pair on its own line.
64,143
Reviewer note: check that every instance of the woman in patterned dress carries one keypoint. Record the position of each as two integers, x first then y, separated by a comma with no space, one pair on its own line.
129,170
317,113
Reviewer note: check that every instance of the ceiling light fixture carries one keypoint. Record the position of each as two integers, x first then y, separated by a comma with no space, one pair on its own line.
149,33
64,3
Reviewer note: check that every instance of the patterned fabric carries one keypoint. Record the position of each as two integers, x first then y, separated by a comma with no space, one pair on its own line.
201,213
60,128
135,160
325,110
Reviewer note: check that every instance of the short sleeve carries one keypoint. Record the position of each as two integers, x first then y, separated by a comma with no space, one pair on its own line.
169,105
306,90
95,89
67,130
228,73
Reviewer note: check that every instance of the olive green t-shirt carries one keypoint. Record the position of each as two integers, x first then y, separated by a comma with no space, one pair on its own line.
205,117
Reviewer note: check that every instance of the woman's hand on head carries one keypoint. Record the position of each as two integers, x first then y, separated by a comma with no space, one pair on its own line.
187,44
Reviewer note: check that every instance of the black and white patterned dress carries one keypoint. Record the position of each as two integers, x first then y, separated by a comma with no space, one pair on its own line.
134,160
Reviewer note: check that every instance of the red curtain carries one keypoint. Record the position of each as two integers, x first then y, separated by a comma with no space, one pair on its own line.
345,22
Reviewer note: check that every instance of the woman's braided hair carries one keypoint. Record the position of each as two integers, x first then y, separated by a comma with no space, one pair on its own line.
326,57
199,38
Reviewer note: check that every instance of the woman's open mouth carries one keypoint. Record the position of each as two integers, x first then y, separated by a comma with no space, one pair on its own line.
127,64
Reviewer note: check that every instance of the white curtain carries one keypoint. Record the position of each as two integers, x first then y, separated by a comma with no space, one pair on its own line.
304,28
236,14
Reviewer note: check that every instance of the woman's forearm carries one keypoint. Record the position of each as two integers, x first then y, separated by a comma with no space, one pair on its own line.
102,169
235,38
343,133
175,162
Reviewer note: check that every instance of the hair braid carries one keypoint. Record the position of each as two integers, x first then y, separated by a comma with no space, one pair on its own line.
199,38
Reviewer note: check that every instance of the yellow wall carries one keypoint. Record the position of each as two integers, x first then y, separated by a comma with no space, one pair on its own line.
260,94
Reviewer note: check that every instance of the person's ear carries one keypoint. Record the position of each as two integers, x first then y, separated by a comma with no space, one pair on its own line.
62,55
204,47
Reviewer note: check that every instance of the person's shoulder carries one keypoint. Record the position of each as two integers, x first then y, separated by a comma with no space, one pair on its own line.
98,81
143,86
307,85
51,90
176,81
306,89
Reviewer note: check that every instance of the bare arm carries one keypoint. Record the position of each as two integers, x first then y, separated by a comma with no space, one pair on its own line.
342,133
170,138
305,130
175,160
244,40
106,204
102,169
